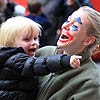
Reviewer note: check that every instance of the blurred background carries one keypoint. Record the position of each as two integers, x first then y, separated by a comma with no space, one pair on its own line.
95,3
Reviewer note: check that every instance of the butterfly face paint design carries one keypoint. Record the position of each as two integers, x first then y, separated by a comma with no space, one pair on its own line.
74,27
66,36
78,19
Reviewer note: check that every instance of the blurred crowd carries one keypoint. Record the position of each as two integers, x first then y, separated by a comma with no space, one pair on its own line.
9,9
49,13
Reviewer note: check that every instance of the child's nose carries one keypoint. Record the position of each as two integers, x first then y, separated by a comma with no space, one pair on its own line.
33,42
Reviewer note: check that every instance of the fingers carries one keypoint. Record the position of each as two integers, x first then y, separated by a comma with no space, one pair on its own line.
77,57
75,61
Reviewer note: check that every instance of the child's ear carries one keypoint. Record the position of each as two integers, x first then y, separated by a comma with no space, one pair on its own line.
90,41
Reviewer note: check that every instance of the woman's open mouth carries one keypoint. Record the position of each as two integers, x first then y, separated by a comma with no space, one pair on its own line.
65,36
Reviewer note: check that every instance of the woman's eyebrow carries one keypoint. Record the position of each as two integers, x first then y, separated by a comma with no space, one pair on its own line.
78,19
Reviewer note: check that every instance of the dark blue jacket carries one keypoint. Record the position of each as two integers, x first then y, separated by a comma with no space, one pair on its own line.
18,72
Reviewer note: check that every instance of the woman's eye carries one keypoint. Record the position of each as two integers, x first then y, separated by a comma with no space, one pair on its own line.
74,28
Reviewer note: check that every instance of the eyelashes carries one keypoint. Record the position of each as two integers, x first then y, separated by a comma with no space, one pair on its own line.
74,28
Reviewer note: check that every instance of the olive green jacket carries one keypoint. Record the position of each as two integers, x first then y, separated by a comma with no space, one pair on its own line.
73,84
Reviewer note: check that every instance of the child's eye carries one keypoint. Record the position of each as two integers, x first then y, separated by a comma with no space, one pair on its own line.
74,28
35,38
26,39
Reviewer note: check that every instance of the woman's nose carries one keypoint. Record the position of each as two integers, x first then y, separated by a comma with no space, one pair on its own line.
66,26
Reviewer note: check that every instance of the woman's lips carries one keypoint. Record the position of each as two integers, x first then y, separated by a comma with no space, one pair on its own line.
65,36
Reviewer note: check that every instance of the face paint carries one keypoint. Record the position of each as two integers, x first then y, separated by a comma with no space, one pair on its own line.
73,28
78,19
68,36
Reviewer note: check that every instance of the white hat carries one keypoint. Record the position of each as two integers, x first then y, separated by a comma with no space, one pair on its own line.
19,10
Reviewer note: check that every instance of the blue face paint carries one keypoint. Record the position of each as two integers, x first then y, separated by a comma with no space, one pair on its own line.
78,19
74,28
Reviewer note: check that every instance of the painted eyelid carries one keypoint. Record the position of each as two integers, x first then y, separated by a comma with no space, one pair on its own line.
78,19
74,28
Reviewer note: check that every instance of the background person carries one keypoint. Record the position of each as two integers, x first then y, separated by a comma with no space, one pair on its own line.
36,14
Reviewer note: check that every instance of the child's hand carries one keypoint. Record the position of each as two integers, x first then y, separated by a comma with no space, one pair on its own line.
75,61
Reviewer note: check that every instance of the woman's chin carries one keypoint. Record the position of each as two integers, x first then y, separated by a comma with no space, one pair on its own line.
61,44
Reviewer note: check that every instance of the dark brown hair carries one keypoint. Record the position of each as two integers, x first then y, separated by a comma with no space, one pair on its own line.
34,7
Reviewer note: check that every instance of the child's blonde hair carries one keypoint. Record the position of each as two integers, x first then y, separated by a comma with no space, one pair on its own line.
14,27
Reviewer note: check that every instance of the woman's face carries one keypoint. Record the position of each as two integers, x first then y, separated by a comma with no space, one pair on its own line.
74,33
29,42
